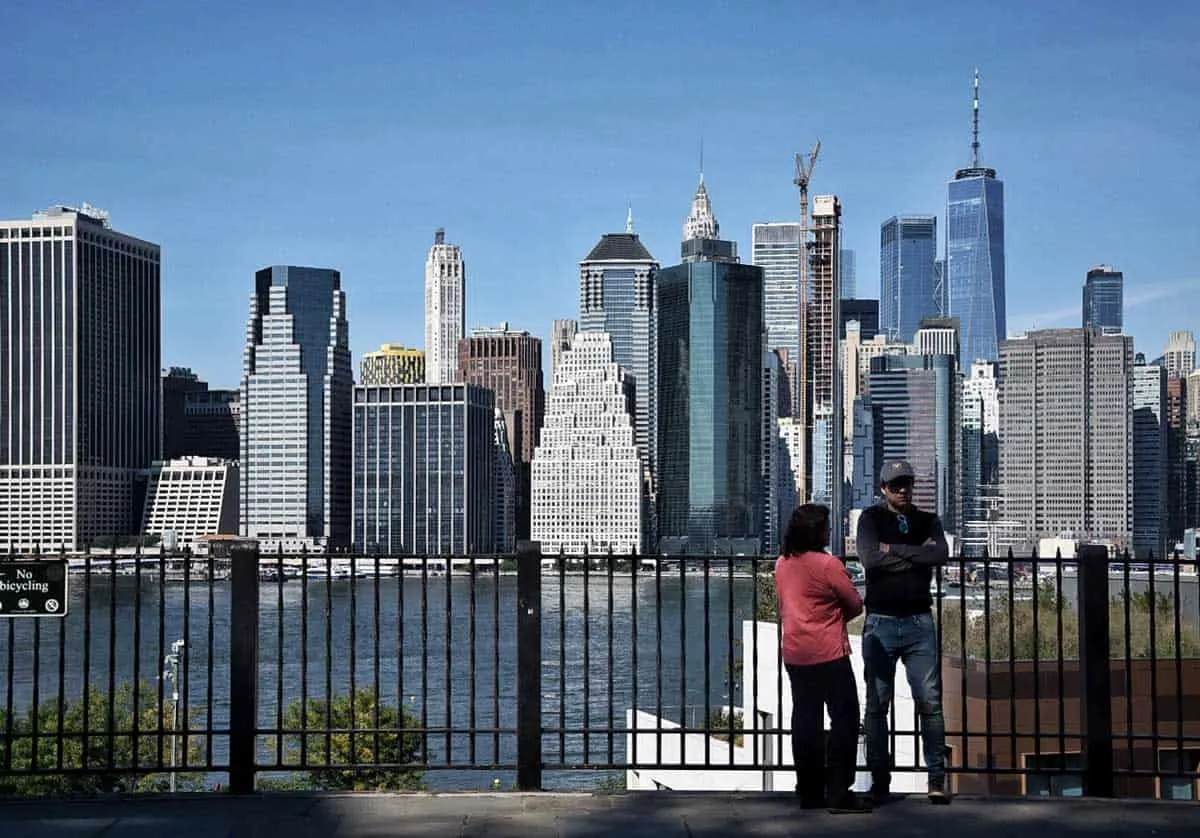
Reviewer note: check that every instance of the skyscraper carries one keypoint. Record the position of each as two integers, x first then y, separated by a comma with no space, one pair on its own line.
616,296
981,440
775,247
1149,458
907,252
1177,518
974,271
1103,300
197,421
562,336
915,407
821,373
1065,434
445,309
297,391
710,397
79,377
848,274
864,312
424,479
937,336
588,475
509,363
392,363
772,392
1180,355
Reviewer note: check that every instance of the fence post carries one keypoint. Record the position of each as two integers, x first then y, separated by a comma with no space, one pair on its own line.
1095,702
243,667
529,665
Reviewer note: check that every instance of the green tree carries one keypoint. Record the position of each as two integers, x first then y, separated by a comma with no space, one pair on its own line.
1139,625
57,755
359,745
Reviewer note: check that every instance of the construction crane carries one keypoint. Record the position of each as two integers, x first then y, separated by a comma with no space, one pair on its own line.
801,399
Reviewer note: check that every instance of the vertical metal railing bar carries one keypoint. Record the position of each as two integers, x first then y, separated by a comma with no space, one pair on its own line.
447,655
1127,607
496,723
281,658
352,720
184,720
612,613
1153,604
1178,618
658,661
209,709
135,714
302,757
683,630
35,714
1012,665
587,659
376,625
965,654
328,612
86,698
400,647
425,650
730,652
9,709
62,681
1037,661
635,563
989,747
707,671
471,640
110,749
562,656
1060,641
756,750
159,707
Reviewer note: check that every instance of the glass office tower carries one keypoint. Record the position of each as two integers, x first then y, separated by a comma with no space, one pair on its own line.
975,261
907,253
1104,300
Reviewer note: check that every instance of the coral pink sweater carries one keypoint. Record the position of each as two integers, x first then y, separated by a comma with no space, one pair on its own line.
816,598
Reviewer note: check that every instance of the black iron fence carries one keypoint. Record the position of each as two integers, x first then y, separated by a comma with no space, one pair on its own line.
530,671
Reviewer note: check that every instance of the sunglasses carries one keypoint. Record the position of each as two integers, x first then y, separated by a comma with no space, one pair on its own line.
900,483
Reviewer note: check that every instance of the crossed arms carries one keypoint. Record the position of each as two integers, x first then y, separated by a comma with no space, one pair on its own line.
899,557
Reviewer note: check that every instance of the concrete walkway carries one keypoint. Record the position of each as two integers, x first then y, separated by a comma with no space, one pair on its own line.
627,815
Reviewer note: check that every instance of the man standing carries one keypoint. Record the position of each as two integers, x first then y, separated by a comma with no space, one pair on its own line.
899,546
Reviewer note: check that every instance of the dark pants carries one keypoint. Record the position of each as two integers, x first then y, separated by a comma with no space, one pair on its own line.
913,642
824,769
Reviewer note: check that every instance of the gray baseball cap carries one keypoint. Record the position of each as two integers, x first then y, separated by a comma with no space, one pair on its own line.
895,470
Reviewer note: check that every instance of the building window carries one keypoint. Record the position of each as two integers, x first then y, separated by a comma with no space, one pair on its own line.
1180,774
1053,775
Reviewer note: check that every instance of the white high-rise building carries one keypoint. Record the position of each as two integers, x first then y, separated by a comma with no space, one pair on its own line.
1066,434
297,401
587,474
80,391
1180,355
791,451
191,497
937,336
445,310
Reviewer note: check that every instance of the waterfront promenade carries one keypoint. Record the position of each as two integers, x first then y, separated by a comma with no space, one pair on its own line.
581,815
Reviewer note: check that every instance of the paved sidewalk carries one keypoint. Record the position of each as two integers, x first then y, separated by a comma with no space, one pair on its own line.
628,815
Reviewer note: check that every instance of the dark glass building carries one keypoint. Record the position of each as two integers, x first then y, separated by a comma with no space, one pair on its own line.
907,292
710,398
197,421
1104,300
423,469
866,312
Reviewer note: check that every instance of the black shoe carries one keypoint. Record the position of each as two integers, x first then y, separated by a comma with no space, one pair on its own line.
937,792
850,804
880,794
809,799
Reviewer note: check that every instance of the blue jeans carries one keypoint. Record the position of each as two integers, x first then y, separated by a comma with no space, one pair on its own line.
913,642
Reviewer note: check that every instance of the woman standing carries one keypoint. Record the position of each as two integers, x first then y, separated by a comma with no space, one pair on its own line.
816,599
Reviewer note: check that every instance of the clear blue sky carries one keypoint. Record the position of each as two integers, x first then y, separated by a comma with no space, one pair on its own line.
239,135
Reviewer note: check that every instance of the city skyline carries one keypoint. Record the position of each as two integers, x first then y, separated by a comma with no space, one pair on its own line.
555,172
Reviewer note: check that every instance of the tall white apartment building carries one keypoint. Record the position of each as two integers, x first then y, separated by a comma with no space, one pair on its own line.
775,247
445,310
1066,433
191,497
297,400
80,397
587,473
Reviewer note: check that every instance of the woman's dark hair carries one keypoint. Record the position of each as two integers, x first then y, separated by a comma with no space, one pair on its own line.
807,530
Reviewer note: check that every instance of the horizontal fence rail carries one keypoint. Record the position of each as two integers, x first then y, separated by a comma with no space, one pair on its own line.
1058,676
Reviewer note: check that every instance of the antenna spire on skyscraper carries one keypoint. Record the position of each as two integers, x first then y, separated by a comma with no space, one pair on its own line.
629,218
702,160
975,124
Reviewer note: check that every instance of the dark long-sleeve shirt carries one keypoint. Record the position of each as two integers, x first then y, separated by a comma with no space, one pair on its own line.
898,581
